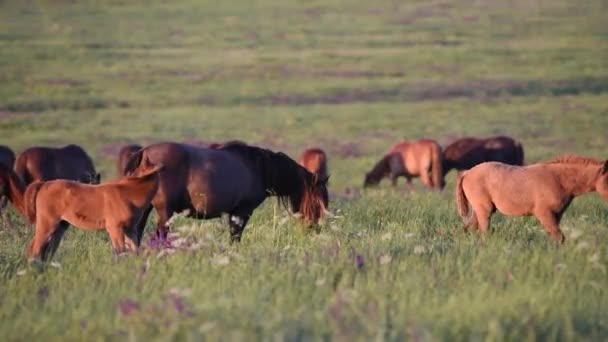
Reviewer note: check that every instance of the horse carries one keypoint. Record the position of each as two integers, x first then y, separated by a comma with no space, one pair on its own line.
234,179
544,190
124,155
116,207
7,158
410,159
48,163
216,145
467,152
315,161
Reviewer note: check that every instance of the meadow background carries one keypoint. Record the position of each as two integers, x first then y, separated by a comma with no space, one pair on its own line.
352,77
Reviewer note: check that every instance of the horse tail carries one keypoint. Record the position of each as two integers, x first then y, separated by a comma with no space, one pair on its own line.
29,201
22,171
133,162
519,154
437,167
461,198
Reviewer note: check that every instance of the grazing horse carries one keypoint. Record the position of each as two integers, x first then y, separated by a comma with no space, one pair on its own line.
233,179
465,153
544,190
216,146
48,163
116,207
125,153
420,158
315,161
7,158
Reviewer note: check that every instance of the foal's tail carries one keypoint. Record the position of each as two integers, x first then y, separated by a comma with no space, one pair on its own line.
519,154
29,200
461,198
437,167
21,170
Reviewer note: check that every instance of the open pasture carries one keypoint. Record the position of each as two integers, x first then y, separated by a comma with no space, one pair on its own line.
352,77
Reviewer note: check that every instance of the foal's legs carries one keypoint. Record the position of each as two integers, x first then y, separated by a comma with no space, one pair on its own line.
117,235
54,240
44,231
140,226
426,179
550,222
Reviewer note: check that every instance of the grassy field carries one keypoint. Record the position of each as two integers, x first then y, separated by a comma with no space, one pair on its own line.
352,77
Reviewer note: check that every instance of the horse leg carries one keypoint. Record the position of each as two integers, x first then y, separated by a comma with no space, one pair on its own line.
550,222
117,235
394,179
54,240
131,239
472,224
426,179
237,225
140,227
44,231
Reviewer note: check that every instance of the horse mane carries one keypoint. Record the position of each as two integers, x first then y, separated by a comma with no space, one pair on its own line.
281,175
574,160
380,169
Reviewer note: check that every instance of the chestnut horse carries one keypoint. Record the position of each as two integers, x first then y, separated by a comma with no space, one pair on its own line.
544,190
420,158
125,153
467,152
47,163
7,158
315,161
116,207
233,179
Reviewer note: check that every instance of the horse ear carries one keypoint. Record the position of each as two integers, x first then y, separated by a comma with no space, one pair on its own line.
324,180
98,178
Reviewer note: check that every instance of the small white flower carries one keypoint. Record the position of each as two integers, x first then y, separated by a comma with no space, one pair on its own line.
582,245
409,235
385,259
594,258
179,242
386,236
221,260
419,249
575,234
21,272
320,282
183,292
55,264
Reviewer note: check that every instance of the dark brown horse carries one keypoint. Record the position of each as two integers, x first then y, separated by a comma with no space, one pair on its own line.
48,163
234,179
467,152
7,158
421,158
125,153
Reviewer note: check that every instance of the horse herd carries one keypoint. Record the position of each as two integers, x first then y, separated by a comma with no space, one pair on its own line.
55,187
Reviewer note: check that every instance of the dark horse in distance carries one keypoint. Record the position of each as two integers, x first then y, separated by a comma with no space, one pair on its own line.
70,162
468,152
234,179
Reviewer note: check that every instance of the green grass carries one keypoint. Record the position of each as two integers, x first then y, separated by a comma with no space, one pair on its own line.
352,77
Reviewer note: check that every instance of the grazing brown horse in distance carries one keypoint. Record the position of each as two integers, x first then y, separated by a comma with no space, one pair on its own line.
7,158
234,179
420,158
116,207
465,153
315,161
48,163
544,190
125,153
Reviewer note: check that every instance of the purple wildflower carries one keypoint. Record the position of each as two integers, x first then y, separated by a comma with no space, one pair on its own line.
360,262
127,307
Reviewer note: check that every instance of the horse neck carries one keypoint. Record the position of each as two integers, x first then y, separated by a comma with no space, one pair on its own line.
141,187
16,192
577,179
